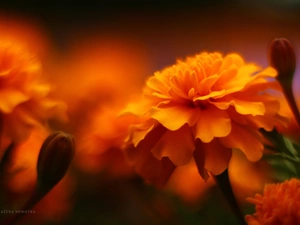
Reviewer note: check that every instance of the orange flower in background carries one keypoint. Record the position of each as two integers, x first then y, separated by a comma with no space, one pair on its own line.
99,143
21,178
201,107
279,204
23,96
105,72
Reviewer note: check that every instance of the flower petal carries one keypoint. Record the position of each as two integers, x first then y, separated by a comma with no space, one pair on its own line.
242,138
200,160
175,116
177,145
212,123
10,98
146,165
216,156
241,106
145,133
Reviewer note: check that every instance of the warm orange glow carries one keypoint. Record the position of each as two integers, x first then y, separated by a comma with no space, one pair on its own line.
26,31
186,183
279,204
247,178
97,72
203,107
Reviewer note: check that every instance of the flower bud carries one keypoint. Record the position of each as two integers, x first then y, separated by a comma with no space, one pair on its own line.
282,58
54,159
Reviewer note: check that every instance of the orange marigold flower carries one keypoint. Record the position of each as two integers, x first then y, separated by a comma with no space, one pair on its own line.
279,204
202,107
23,97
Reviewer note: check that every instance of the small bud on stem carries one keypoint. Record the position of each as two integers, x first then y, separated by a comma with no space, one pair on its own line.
282,58
55,156
54,159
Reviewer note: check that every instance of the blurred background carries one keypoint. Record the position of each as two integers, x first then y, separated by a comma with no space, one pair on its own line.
132,39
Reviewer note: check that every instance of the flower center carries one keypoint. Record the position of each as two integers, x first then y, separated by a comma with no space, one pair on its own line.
198,103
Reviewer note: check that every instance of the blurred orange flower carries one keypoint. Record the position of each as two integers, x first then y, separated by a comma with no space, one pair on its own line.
279,204
23,96
202,108
21,178
106,73
99,143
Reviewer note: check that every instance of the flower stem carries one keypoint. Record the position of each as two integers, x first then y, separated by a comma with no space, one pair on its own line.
223,182
289,95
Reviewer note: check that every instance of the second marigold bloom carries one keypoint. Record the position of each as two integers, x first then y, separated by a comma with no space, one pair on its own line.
201,107
279,204
24,101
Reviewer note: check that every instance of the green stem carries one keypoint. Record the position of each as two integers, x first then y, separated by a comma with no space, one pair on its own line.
223,182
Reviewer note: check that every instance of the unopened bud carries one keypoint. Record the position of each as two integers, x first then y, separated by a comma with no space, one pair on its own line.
282,58
54,159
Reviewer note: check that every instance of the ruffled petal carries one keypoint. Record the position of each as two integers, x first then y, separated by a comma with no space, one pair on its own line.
232,59
150,168
212,157
212,123
242,138
175,116
216,157
177,145
138,132
10,98
241,106
139,108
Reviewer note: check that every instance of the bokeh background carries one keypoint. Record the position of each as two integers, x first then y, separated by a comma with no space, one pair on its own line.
133,39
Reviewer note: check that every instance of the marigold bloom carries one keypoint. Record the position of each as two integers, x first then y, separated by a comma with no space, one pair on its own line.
23,97
202,107
279,204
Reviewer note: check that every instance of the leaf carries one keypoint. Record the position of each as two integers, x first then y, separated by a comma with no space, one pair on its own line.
289,146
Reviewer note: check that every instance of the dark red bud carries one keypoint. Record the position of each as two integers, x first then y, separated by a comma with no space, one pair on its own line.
282,58
54,159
